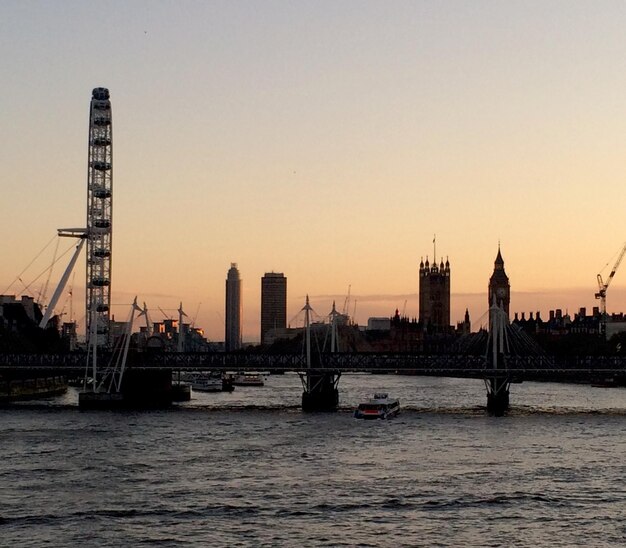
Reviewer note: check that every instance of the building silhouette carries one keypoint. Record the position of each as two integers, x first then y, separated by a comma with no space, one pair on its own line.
499,287
273,303
464,327
232,339
434,290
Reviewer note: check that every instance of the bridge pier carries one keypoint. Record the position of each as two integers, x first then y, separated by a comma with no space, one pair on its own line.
497,396
499,381
142,389
320,391
320,387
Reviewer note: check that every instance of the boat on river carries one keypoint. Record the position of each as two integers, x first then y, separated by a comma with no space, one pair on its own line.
248,379
206,383
381,406
29,388
604,382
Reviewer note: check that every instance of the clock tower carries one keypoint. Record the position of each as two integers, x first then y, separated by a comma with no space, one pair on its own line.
499,287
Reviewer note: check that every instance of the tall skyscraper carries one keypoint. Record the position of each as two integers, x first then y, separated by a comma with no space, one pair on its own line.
232,340
273,303
499,287
435,295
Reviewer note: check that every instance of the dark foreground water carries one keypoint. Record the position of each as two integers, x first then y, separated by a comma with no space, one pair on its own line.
249,469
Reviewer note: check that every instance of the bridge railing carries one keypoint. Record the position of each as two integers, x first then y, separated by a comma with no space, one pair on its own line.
452,364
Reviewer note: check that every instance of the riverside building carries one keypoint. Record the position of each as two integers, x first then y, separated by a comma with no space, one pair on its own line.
273,303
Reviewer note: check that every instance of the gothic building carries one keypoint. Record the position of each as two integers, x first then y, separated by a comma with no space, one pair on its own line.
499,287
464,327
434,312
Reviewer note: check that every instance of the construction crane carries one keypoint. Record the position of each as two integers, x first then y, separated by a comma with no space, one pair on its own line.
346,303
603,286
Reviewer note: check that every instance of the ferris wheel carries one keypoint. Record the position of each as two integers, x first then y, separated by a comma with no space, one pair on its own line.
99,218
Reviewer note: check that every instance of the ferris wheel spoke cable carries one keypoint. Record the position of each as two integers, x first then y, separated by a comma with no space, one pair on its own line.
29,264
44,294
48,268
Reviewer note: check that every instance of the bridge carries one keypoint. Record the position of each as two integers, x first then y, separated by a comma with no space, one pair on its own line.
506,356
444,365
518,368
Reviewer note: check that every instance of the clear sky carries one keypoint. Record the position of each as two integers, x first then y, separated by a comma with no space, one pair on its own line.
328,140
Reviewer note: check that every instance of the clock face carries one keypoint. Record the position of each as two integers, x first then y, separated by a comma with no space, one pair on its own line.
501,292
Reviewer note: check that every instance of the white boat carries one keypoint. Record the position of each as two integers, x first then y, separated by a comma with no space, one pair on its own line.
206,383
248,379
381,406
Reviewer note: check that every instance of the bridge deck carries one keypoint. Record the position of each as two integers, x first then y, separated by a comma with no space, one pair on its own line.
439,365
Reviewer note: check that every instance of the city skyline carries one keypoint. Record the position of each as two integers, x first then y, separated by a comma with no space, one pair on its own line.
341,137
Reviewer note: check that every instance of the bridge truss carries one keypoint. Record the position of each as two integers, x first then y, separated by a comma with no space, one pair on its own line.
518,367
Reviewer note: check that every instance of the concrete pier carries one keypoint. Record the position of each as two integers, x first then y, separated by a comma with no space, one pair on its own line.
142,389
320,393
498,397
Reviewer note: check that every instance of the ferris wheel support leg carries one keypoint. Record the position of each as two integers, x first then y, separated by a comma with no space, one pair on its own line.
61,286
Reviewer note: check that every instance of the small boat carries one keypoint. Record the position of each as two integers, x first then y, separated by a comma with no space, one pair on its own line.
604,382
379,407
31,388
248,379
206,383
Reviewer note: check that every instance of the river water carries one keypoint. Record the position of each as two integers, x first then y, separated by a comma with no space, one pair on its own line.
250,469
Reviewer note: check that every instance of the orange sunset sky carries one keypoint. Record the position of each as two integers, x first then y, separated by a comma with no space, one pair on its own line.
326,140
